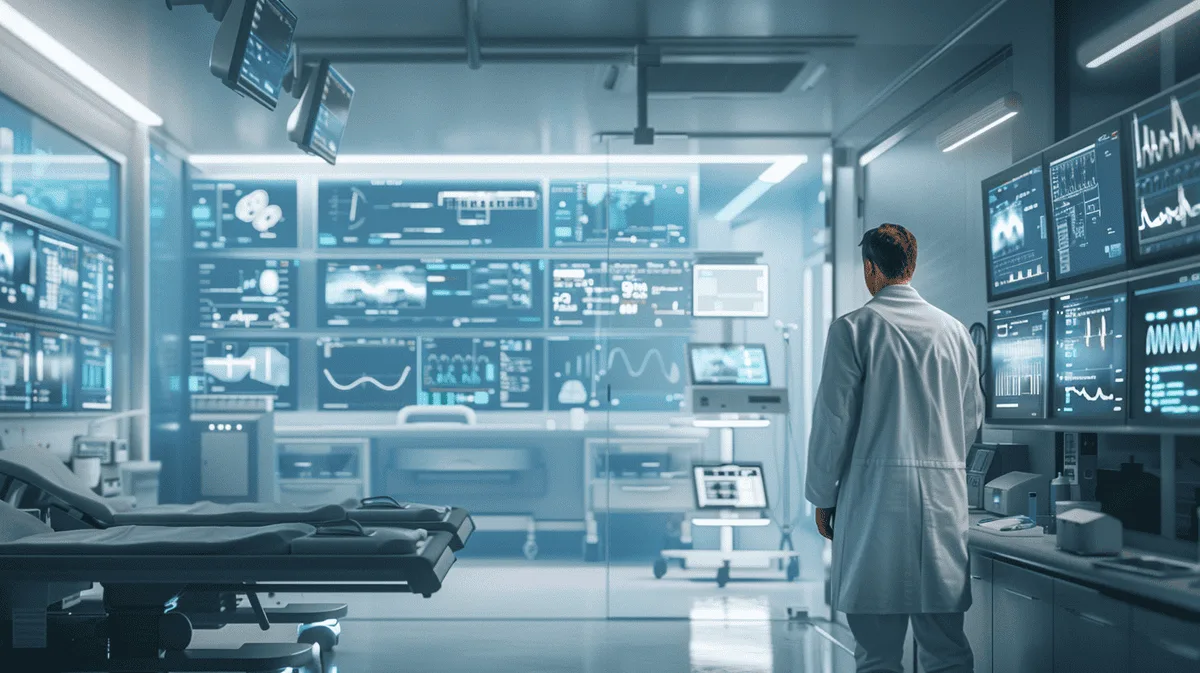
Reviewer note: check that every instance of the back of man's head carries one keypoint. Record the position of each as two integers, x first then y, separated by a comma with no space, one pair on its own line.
892,249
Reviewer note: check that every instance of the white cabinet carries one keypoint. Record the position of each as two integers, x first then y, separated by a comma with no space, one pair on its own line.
1164,644
1023,620
1091,631
978,621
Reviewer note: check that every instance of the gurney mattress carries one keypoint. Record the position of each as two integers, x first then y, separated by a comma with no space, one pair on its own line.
237,514
276,540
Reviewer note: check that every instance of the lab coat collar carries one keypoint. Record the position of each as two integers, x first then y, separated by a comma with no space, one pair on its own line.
899,291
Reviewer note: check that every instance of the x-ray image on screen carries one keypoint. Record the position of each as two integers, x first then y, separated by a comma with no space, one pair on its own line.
1089,355
1165,348
367,374
625,293
243,214
622,213
95,374
616,374
52,375
16,364
58,276
1019,357
482,373
1018,249
244,366
18,267
244,293
398,213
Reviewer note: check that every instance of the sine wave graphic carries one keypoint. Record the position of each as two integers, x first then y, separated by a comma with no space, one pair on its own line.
1176,337
363,380
1091,397
671,374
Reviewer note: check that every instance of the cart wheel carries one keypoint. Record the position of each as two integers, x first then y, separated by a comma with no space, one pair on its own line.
319,634
591,552
660,568
530,549
722,576
793,569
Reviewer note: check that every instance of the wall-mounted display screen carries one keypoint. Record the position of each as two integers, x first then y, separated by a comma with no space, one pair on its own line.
1166,173
1087,202
58,275
616,374
454,292
621,213
618,294
52,374
254,293
95,374
1090,350
18,267
242,214
482,373
97,283
731,291
729,365
16,364
244,366
1165,348
1017,376
365,374
386,213
1015,221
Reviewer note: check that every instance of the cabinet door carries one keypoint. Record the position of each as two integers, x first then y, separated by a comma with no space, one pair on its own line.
1091,631
978,620
1165,644
1022,620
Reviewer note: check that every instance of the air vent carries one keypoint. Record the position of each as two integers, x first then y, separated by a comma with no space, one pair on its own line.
723,78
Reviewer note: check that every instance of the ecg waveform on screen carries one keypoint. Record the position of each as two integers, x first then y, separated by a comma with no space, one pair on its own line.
1157,145
365,380
1176,337
1089,396
1181,213
671,374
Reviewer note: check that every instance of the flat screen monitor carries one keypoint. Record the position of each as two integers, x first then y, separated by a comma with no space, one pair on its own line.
52,375
16,365
58,275
501,374
244,366
740,486
1165,349
230,214
621,213
618,374
421,213
1014,213
244,293
366,374
1090,352
18,267
98,282
1019,362
451,292
260,52
729,365
731,291
1166,185
621,293
95,374
327,113
1087,202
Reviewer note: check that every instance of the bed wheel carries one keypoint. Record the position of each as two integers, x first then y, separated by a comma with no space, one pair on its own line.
723,576
530,549
320,634
174,631
660,568
793,569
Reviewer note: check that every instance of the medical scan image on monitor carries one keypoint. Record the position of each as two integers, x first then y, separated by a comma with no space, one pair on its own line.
452,292
416,213
621,213
1019,358
1165,348
482,373
621,293
244,366
367,373
1015,212
729,365
1166,179
95,362
244,293
731,291
230,214
623,374
1090,346
16,365
52,375
58,275
1087,203
741,486
18,267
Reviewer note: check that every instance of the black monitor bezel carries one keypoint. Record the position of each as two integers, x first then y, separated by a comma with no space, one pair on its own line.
1053,415
323,72
1019,168
234,79
1136,416
696,486
756,386
989,397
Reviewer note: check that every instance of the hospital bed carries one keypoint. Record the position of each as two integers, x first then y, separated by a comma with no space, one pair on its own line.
145,569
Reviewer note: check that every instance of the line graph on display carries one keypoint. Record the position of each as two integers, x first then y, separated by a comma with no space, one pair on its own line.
1097,396
1008,229
1154,146
671,374
1020,349
368,380
265,364
1179,214
1176,337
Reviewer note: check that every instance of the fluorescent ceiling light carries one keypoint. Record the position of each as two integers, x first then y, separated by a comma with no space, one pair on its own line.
494,159
1141,25
979,123
878,150
774,174
1007,116
731,422
66,60
779,170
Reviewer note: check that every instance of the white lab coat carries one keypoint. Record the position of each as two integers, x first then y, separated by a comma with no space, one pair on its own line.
898,406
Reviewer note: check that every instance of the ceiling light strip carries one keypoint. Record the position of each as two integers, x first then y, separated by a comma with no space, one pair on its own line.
497,159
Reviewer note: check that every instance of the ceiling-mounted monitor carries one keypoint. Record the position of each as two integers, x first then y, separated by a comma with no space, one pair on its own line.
253,47
731,291
317,123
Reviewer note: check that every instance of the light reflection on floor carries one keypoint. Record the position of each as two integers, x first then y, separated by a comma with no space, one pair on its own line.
731,635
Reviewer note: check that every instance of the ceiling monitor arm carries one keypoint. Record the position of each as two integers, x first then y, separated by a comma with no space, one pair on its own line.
217,8
647,56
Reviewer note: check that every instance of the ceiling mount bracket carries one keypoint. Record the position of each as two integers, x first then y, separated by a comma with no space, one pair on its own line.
645,57
471,32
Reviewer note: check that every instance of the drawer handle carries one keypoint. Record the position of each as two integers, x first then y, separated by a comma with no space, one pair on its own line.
645,489
1090,618
976,577
1178,649
1020,595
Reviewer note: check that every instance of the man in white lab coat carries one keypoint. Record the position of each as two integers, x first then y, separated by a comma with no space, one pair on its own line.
898,407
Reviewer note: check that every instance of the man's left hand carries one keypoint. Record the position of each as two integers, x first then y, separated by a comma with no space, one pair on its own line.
824,519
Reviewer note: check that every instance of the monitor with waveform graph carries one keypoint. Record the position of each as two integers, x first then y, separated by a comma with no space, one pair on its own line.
620,374
1165,349
1015,229
1165,133
491,374
1018,363
1090,353
366,374
244,367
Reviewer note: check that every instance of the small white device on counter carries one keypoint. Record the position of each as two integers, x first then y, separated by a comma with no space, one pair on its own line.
1063,506
1008,495
1088,533
1010,526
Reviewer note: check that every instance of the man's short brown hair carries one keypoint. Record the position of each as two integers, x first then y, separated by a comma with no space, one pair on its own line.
892,249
